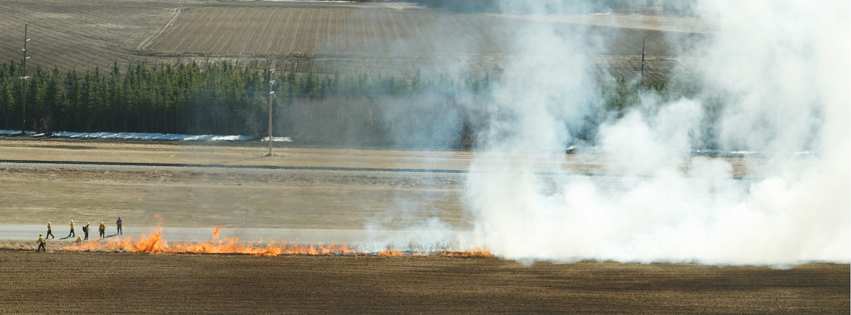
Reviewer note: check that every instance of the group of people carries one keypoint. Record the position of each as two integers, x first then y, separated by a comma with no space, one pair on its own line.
101,229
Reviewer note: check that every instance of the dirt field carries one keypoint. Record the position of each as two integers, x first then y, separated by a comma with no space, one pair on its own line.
147,283
366,38
389,41
80,34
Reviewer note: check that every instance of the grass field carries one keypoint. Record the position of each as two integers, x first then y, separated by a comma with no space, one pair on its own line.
235,197
227,197
385,39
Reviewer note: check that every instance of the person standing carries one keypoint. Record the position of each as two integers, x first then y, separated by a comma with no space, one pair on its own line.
102,230
118,225
86,230
49,231
41,242
72,229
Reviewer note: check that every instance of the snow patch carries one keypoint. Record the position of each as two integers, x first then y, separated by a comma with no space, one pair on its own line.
146,136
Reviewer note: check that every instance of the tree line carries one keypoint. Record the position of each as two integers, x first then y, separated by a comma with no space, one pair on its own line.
222,98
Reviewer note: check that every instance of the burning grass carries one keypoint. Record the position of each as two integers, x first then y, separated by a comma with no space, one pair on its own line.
154,243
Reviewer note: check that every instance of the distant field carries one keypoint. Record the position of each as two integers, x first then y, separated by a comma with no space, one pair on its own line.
80,34
386,39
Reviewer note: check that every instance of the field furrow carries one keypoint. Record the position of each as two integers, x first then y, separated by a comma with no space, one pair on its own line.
367,40
354,38
256,40
294,38
213,34
318,30
268,33
339,15
285,31
278,19
230,30
183,35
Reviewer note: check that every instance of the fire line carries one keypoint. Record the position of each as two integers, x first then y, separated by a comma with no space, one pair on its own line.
154,243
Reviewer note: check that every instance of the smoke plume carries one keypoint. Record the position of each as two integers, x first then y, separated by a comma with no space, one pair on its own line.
784,69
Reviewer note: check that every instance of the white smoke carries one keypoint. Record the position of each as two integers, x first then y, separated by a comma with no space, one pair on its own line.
785,66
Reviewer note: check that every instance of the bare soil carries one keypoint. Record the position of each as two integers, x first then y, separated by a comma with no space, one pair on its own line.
60,281
353,38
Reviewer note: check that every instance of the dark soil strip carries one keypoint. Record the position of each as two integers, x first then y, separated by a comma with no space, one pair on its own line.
68,282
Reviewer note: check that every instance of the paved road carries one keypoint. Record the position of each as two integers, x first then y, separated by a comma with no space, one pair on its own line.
265,169
368,239
177,166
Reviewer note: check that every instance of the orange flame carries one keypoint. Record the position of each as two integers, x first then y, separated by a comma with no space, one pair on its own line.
389,252
154,243
475,252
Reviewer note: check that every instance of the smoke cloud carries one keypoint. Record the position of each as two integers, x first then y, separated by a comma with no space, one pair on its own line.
784,67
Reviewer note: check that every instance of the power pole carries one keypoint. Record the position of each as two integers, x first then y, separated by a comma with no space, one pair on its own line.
24,78
271,94
643,52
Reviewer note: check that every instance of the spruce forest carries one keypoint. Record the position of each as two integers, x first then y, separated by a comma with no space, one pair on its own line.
230,99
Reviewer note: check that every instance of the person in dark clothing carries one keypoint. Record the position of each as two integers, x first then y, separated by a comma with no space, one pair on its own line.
41,242
86,230
118,225
49,231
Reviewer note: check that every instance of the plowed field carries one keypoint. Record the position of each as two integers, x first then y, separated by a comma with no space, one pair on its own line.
80,34
388,40
69,282
367,38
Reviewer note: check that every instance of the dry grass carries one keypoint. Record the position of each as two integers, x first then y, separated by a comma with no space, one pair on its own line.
207,199
19,245
237,198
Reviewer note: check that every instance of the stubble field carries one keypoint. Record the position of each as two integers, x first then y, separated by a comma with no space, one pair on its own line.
299,187
62,281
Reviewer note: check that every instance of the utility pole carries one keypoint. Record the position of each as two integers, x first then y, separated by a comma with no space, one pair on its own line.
271,94
643,52
24,77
